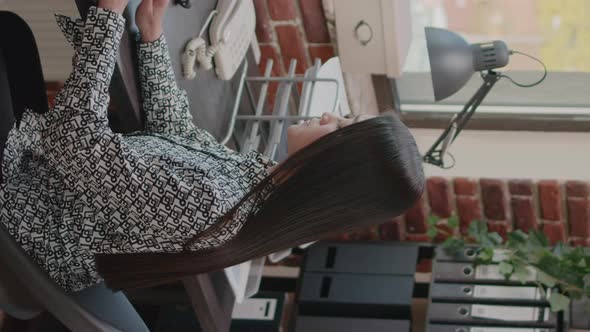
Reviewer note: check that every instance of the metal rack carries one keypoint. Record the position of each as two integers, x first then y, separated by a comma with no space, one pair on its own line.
266,133
289,107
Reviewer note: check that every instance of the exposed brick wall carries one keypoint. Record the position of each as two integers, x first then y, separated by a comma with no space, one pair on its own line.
560,209
291,29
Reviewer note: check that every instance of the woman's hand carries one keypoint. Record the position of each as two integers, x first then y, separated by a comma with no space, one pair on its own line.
116,6
149,17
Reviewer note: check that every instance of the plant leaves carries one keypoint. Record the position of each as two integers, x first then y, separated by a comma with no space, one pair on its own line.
432,220
485,255
558,302
496,238
453,222
453,245
506,268
546,279
477,229
521,273
432,232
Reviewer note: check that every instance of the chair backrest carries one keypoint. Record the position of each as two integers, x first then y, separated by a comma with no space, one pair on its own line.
25,289
21,79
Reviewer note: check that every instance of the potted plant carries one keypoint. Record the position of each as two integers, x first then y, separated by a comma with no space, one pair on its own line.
562,271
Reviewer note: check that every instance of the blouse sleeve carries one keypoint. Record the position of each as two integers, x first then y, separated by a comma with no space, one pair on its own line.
165,105
140,206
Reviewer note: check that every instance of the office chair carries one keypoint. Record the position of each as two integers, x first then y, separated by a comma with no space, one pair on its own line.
25,289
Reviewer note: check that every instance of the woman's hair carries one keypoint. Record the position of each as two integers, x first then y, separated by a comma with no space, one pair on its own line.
360,175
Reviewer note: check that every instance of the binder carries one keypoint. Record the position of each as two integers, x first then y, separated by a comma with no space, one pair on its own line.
486,294
462,328
468,254
355,295
491,315
469,273
339,324
374,258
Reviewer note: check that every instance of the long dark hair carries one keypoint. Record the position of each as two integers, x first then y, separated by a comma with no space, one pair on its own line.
363,174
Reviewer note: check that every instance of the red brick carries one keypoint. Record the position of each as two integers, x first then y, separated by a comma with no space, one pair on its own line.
292,46
52,88
364,234
579,216
424,265
524,213
500,227
416,218
577,241
263,27
417,238
394,230
555,231
314,21
444,231
576,189
493,197
469,209
439,196
281,10
322,52
520,187
550,200
465,186
269,52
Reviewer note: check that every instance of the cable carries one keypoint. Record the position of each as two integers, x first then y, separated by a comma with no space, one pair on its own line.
531,84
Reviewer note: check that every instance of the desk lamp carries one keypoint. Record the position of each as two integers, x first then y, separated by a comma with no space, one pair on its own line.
452,63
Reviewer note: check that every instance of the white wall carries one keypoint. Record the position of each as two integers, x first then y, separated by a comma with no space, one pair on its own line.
55,52
505,154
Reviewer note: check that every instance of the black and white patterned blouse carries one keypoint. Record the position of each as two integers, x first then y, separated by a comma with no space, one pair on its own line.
73,188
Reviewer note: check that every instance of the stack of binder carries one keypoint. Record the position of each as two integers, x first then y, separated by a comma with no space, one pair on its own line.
353,287
469,298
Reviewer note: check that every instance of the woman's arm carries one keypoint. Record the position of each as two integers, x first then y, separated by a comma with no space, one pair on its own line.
165,105
142,204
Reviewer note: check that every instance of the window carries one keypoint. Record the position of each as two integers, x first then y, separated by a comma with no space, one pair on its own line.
557,32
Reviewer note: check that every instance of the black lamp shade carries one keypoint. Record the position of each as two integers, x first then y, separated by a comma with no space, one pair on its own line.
451,61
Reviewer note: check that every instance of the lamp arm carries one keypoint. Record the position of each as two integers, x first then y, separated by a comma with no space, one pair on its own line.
435,155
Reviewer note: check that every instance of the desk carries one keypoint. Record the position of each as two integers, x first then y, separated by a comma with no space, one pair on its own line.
211,102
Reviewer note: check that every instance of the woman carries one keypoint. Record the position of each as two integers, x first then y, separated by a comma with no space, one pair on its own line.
153,206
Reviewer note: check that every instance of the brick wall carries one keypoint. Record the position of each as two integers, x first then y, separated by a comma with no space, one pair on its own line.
291,29
560,209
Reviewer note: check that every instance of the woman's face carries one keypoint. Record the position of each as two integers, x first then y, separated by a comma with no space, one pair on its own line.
301,135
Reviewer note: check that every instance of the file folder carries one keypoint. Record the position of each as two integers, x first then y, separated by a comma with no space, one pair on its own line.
462,328
355,295
491,315
374,258
341,324
470,273
486,294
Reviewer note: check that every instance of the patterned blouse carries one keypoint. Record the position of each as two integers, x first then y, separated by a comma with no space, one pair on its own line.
73,188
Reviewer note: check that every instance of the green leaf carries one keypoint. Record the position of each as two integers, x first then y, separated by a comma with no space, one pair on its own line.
432,232
453,245
485,255
477,229
521,273
506,268
582,263
453,222
546,279
432,220
537,239
558,302
496,238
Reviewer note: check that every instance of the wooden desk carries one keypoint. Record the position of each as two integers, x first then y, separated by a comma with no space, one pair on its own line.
211,103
